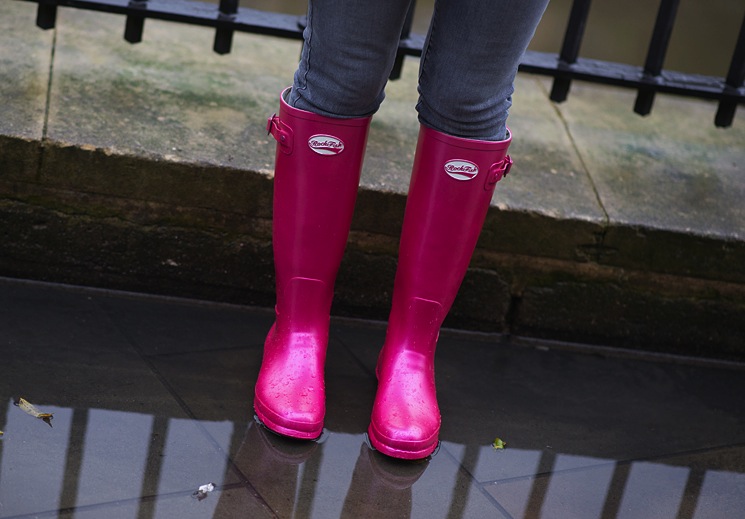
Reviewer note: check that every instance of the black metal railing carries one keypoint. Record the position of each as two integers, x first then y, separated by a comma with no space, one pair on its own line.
565,67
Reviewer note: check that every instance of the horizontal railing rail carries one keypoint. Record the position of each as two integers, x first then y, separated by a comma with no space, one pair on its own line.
566,66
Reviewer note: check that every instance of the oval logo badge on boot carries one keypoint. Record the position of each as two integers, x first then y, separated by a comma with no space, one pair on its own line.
461,169
326,144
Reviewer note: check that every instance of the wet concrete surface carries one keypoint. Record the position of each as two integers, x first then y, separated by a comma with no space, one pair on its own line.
151,399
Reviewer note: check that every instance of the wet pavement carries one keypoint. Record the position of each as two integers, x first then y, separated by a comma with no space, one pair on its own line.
151,399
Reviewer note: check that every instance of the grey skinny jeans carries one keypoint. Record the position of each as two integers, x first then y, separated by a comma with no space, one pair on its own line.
466,73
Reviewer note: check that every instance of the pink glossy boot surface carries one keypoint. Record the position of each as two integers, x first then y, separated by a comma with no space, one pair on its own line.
317,171
451,188
289,395
405,418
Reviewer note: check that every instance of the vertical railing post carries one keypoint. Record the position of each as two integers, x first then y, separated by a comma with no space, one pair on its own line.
405,32
663,29
224,34
135,23
46,15
735,79
570,47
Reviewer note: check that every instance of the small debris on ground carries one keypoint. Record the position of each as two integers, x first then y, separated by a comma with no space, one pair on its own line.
202,491
29,408
499,444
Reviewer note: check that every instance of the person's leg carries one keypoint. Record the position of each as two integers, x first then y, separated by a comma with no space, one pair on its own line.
349,50
466,80
469,63
321,132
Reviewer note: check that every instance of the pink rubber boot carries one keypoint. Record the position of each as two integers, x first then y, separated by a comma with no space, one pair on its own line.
317,172
451,188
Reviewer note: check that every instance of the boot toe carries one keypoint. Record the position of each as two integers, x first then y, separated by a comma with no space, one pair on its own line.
404,430
304,422
410,443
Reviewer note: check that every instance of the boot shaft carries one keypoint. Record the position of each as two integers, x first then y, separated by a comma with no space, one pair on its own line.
451,188
317,172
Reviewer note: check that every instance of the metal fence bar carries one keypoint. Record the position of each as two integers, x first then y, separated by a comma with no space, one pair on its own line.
735,80
224,33
135,24
663,29
570,48
193,13
629,76
46,16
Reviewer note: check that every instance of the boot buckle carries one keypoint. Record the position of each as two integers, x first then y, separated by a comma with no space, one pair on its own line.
497,172
281,133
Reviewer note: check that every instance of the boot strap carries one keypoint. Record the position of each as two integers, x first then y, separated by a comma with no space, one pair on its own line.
281,133
497,172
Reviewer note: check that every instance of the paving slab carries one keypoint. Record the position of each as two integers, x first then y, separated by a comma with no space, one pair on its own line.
147,99
25,63
590,431
670,170
116,433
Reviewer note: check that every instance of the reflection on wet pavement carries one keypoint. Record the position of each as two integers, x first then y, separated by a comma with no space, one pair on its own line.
151,400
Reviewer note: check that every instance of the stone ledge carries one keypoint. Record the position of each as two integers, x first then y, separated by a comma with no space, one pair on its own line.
151,225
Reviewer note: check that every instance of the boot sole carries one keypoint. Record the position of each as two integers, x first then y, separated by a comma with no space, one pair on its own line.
298,431
401,450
